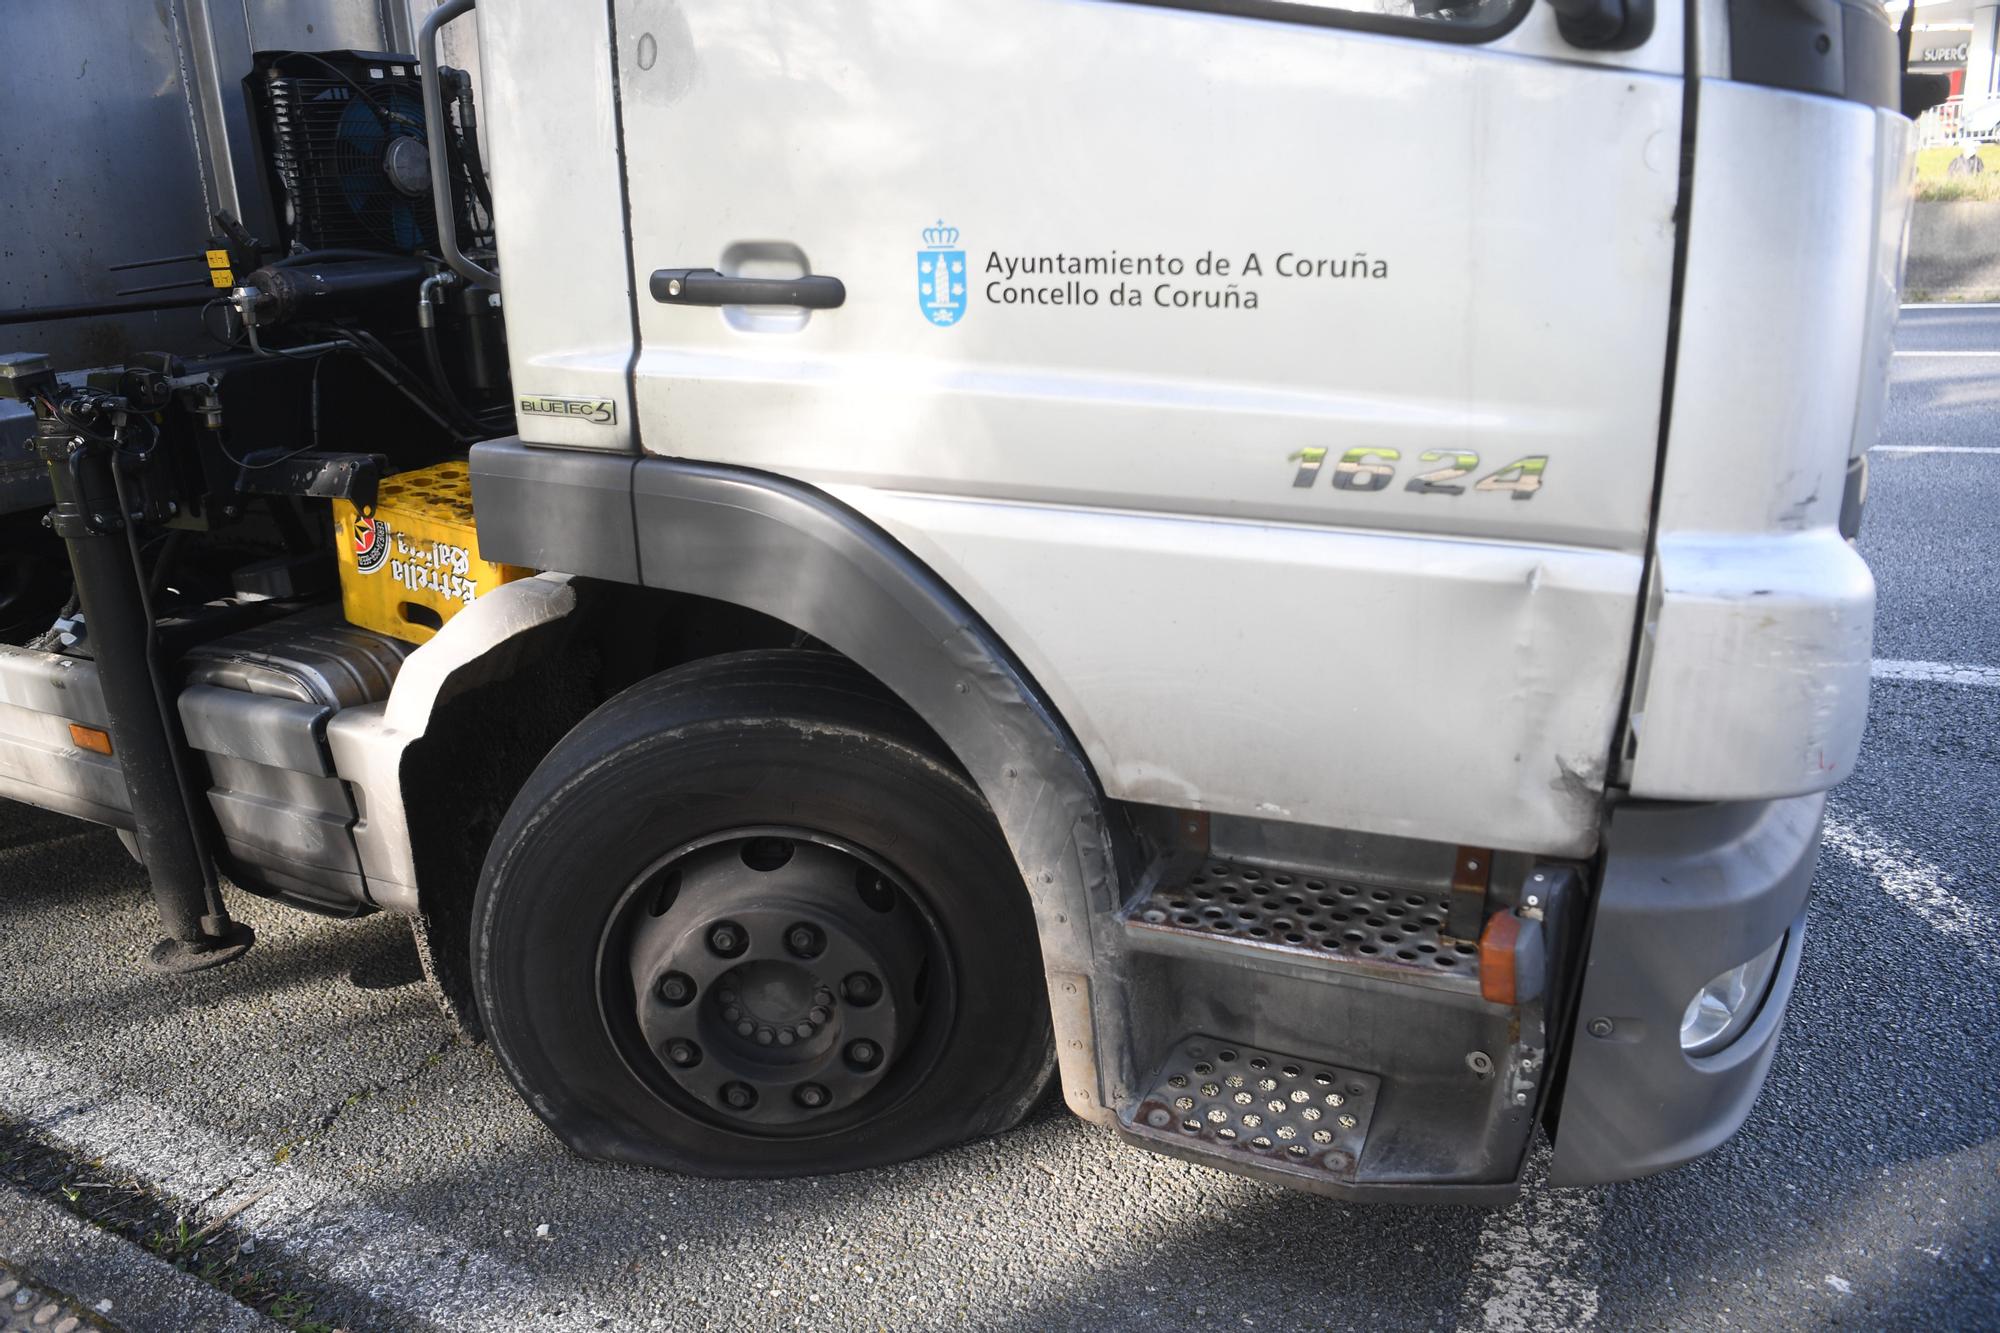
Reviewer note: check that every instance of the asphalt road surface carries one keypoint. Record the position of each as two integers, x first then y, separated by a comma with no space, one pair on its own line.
396,1180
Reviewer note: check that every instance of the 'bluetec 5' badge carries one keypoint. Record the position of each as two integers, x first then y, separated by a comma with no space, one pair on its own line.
941,276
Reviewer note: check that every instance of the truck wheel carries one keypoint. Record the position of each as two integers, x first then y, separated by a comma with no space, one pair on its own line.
748,919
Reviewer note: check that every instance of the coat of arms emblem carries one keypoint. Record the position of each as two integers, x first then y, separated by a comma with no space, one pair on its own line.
941,276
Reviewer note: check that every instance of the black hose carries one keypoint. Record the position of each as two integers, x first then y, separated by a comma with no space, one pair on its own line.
194,258
50,639
473,163
333,254
416,399
38,314
434,354
167,286
385,363
376,348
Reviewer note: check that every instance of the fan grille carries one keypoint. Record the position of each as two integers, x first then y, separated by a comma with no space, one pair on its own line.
329,145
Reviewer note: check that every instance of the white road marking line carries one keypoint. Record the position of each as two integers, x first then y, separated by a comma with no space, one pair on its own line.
425,1277
1934,449
1937,673
1918,885
1951,305
1532,1267
1951,353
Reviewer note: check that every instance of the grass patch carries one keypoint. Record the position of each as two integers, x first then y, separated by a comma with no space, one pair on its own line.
112,1201
1936,184
1981,189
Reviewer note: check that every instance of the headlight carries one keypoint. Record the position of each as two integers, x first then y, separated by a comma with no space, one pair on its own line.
1724,1007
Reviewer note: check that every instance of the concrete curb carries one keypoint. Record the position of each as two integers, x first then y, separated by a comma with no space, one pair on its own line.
65,1256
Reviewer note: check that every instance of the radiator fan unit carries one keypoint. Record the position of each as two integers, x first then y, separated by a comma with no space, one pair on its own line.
348,151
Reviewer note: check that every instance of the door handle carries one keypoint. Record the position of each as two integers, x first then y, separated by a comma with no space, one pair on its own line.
706,286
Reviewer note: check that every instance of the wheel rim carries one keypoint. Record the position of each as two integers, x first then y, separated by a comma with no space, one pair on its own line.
775,981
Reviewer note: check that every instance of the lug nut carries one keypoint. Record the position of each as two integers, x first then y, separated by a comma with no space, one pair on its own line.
816,1015
732,1013
864,1053
727,939
677,988
684,1053
811,1096
765,1036
738,1096
805,940
745,1028
861,988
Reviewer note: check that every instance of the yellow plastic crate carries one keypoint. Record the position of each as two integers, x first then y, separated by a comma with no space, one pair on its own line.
412,562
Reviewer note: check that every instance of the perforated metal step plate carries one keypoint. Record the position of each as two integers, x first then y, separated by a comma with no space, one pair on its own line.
1240,1104
1230,906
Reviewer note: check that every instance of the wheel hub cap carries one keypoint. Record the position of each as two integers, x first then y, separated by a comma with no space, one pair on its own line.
776,979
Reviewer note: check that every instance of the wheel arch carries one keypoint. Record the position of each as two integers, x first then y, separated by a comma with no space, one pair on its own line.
789,552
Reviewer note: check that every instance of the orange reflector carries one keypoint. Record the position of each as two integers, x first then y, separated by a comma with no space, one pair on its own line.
1496,958
90,738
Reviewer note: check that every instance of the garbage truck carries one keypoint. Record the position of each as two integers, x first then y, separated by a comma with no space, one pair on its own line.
1285,567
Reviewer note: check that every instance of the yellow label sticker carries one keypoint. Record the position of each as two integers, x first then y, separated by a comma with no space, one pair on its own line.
218,259
220,277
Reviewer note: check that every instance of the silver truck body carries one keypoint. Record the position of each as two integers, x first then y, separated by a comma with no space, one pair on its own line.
1339,452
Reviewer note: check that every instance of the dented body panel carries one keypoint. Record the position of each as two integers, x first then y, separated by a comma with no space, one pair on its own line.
1435,689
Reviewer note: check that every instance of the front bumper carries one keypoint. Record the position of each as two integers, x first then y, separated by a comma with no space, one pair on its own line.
1689,892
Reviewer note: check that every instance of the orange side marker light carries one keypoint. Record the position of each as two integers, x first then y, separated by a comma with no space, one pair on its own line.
1496,959
90,738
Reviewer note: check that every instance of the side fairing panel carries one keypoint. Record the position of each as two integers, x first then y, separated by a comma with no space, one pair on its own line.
1755,683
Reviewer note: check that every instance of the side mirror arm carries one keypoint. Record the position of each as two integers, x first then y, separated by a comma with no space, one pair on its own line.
1604,25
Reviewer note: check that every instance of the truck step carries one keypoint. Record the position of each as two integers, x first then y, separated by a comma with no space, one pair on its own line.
1240,1107
1301,920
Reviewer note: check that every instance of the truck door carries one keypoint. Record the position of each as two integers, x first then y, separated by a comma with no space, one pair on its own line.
1281,381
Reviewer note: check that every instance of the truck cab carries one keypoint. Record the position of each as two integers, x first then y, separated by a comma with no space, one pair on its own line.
1286,567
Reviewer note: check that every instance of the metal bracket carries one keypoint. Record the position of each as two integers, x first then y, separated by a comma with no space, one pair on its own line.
351,477
1471,872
